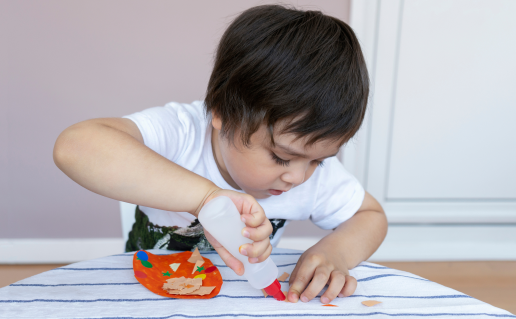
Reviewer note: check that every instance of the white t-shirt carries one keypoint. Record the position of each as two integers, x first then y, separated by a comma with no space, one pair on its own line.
182,134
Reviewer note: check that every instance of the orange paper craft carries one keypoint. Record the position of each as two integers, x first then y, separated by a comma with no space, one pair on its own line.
370,303
153,271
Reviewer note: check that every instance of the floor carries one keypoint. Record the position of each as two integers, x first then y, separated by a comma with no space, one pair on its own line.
493,282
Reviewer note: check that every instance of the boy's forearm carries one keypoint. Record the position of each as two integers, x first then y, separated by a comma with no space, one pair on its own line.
358,238
114,164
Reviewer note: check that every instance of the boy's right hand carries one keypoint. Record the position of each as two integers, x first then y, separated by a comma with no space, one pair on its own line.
258,230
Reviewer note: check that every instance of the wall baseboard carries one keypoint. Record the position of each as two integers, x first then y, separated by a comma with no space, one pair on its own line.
403,243
436,243
57,251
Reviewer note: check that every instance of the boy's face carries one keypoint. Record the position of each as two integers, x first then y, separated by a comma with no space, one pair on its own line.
263,170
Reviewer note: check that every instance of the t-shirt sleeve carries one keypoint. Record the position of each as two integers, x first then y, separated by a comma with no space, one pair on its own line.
169,130
339,195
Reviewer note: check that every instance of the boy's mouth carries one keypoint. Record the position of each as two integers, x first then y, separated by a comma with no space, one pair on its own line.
275,192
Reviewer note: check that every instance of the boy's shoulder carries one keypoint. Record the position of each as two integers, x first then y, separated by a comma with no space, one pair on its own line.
194,111
173,130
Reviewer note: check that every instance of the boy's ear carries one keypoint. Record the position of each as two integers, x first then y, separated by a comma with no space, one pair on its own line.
216,121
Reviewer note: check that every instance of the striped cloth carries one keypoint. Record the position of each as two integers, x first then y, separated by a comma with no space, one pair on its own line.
106,288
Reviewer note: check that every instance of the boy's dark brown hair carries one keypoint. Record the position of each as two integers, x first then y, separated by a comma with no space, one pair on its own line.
275,63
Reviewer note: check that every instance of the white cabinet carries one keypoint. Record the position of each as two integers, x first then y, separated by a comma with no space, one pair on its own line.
439,143
438,147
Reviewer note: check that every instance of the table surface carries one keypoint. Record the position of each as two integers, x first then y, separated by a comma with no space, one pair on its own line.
106,288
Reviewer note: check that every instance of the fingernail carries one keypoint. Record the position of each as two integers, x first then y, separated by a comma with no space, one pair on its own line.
304,299
243,251
253,260
243,219
341,295
246,234
325,300
294,297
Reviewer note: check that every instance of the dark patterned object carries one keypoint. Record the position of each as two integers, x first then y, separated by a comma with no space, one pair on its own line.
276,224
146,235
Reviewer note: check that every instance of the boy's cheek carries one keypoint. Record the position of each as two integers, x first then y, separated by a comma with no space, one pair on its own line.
258,184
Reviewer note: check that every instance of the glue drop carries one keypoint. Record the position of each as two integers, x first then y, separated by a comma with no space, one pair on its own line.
221,219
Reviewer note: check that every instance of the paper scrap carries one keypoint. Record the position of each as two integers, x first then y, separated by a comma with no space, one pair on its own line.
174,283
202,291
264,293
198,265
283,277
186,286
202,276
286,294
183,287
370,303
174,266
330,305
196,255
166,274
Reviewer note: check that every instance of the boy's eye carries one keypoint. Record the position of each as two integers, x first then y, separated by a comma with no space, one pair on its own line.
283,162
320,163
279,161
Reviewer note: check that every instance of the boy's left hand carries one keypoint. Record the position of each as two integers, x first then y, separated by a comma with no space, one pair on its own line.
320,265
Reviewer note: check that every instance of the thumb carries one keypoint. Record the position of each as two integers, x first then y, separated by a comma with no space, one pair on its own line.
233,263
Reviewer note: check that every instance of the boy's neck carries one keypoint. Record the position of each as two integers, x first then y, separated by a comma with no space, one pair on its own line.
217,155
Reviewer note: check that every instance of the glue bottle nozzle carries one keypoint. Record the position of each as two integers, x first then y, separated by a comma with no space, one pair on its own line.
274,290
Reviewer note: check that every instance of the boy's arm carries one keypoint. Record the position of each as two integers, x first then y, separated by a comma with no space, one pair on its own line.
328,261
108,157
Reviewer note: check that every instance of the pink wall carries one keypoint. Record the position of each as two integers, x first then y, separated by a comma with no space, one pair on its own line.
63,62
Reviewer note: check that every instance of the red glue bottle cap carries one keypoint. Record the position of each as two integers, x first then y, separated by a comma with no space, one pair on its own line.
274,290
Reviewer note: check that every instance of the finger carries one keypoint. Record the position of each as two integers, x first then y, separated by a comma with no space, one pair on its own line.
301,280
317,284
258,233
257,251
233,263
349,287
252,213
294,273
255,219
337,281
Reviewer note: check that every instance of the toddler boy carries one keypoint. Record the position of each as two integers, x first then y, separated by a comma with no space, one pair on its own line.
287,90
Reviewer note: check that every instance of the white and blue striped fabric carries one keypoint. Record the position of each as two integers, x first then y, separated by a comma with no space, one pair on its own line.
106,288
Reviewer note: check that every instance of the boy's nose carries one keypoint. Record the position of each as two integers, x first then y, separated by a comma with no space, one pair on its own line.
294,176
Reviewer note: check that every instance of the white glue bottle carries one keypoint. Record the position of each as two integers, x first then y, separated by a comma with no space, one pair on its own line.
221,219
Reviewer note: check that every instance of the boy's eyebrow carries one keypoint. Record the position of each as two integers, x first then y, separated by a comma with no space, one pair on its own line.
287,150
